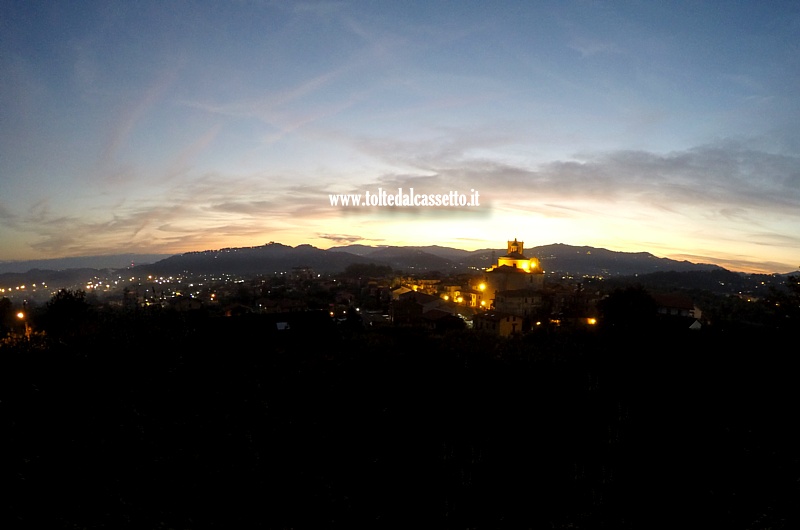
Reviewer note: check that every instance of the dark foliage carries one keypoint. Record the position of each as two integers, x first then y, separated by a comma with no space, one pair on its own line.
68,316
785,303
178,420
628,308
7,317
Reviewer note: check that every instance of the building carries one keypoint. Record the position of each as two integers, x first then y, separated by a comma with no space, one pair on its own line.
440,320
677,310
520,302
498,323
676,304
409,308
513,271
473,298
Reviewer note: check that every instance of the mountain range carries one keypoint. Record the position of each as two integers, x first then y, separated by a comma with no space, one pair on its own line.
112,261
275,257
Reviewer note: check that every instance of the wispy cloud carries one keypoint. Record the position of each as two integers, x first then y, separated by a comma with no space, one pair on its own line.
589,47
739,263
126,121
182,162
341,238
729,177
6,215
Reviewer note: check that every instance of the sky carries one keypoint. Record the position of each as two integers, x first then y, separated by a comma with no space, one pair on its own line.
168,127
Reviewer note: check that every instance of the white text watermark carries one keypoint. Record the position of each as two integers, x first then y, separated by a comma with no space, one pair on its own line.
451,199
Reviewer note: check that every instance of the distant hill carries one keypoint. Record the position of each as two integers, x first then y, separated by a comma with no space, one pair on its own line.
276,258
56,279
720,281
266,259
558,258
454,255
412,259
114,261
600,261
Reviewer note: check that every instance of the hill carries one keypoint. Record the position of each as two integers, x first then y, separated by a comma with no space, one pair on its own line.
276,258
555,258
111,261
267,259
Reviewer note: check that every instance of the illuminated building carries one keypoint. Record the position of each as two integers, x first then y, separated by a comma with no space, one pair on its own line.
513,271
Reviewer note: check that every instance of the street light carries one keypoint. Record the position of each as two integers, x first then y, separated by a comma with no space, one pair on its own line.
21,316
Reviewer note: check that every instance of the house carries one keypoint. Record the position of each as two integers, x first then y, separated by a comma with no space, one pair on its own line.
440,320
677,311
676,304
498,323
473,298
186,303
409,307
399,291
520,302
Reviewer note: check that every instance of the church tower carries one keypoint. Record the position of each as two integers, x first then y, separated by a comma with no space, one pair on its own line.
516,260
514,271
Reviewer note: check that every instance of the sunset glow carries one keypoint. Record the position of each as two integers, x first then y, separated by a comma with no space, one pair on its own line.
672,129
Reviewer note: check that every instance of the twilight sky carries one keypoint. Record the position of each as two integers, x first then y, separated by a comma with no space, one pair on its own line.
166,127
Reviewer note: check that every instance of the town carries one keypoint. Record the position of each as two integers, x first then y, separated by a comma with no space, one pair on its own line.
475,399
512,295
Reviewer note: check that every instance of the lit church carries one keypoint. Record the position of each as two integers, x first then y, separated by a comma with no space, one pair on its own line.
514,271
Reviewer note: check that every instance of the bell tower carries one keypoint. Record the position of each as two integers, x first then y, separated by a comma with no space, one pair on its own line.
515,246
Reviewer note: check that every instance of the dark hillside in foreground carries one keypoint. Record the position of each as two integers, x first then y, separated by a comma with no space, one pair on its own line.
180,421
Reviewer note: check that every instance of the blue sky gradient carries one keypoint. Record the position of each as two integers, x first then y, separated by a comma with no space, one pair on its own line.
165,127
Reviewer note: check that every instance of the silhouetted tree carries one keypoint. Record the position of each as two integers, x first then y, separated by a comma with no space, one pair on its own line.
6,315
67,315
786,302
628,308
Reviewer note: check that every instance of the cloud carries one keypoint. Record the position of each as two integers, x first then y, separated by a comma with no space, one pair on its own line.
588,47
739,263
341,238
6,215
729,176
321,9
695,189
288,110
179,215
249,208
771,238
126,122
183,161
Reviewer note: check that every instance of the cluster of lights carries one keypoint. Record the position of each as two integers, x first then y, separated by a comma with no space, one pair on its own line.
18,288
95,286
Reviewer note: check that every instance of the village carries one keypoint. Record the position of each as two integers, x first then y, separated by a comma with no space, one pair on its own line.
512,296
